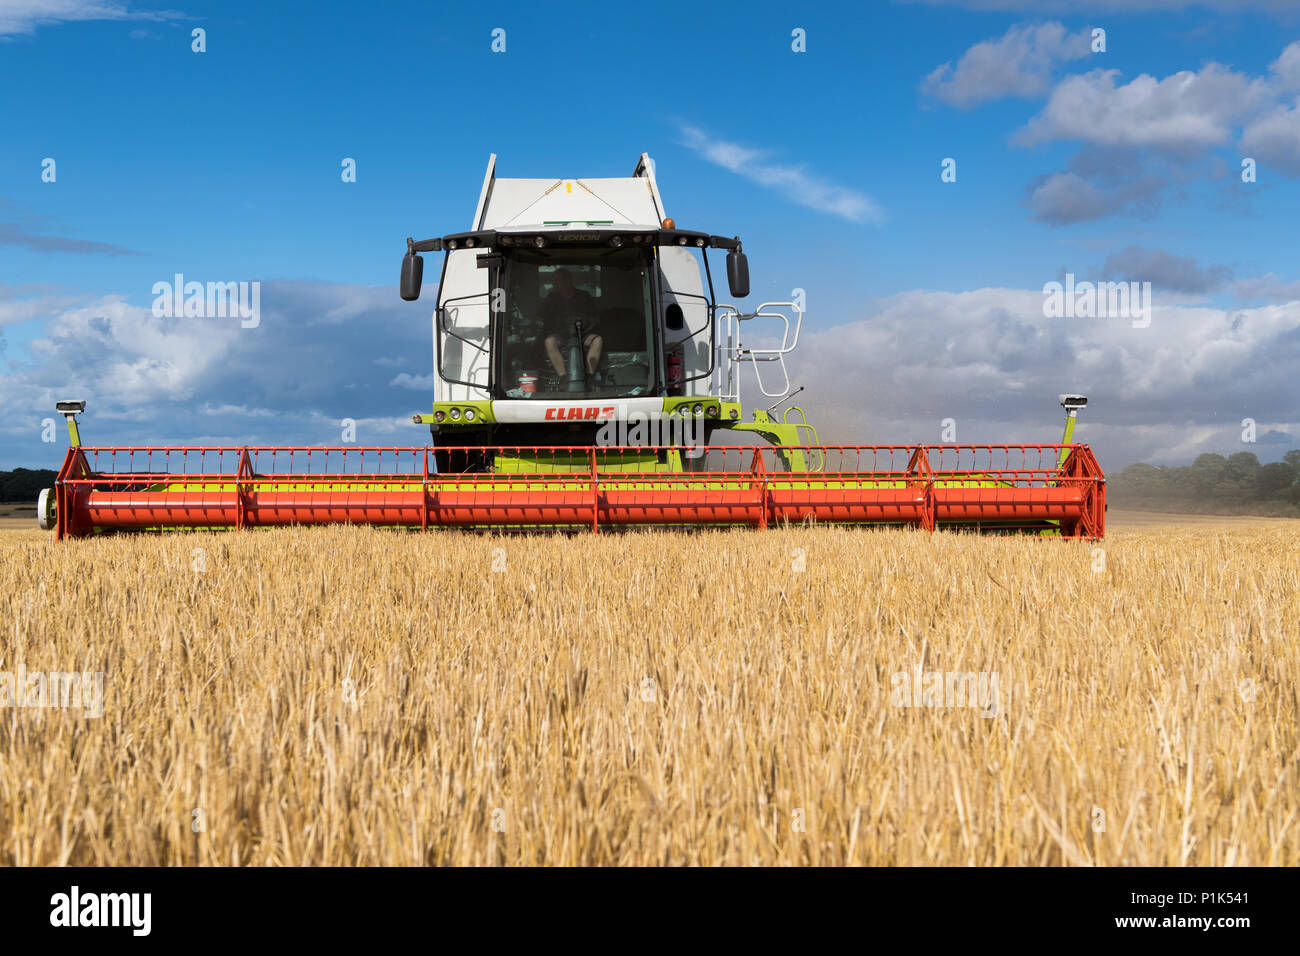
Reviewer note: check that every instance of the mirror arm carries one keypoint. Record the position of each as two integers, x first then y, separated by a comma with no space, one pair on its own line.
424,245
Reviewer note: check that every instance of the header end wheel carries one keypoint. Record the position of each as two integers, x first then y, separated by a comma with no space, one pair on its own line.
45,509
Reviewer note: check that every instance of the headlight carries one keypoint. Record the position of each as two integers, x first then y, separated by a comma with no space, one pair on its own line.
439,416
469,414
455,414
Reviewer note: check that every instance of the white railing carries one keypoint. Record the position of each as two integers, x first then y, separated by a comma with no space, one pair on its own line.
733,353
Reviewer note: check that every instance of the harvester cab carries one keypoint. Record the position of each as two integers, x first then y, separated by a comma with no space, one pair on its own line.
576,309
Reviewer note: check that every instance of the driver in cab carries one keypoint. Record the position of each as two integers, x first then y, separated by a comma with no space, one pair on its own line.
560,310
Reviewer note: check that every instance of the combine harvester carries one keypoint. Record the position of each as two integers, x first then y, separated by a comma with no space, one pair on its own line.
583,371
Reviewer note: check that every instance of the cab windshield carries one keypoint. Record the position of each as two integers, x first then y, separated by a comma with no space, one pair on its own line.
576,324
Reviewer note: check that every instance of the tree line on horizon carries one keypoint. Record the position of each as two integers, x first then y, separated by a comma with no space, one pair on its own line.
1212,484
22,485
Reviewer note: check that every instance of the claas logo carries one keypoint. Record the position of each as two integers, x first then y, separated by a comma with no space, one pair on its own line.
579,413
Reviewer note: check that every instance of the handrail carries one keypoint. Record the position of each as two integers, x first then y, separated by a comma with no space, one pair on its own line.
735,352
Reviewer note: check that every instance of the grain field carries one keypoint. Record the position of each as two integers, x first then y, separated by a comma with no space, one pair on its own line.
801,696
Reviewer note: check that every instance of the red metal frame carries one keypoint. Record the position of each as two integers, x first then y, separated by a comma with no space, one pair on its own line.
981,487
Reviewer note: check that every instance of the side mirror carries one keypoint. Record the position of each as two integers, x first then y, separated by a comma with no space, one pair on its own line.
738,273
412,276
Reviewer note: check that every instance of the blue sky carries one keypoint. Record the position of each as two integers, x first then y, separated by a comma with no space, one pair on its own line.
924,297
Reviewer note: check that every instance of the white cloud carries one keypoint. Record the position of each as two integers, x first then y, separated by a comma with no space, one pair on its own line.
989,359
1274,140
1068,197
228,411
1286,68
1169,273
23,17
1019,63
794,182
1141,137
1269,286
142,360
24,303
318,356
406,380
1188,109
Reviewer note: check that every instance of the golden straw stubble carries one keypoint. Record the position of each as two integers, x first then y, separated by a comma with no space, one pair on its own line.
827,696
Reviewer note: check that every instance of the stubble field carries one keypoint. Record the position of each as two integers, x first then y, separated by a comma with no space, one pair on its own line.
826,696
